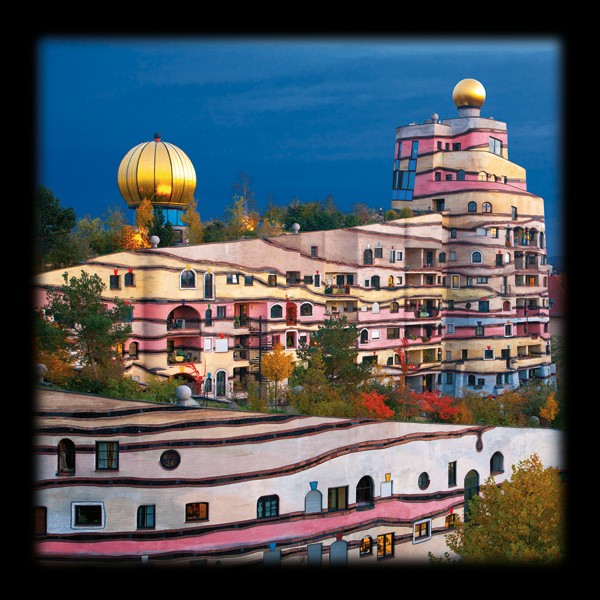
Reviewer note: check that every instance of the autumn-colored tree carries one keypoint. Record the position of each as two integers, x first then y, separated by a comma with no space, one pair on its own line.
372,406
550,410
437,407
191,217
408,405
517,521
276,366
144,216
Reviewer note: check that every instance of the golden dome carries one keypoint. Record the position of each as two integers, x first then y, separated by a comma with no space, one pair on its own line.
158,171
468,92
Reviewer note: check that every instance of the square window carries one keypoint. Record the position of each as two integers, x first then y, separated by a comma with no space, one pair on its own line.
146,516
337,498
248,280
87,514
196,511
385,545
422,531
107,456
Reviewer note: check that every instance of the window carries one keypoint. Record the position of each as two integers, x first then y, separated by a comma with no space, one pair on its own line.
133,350
472,206
317,280
308,280
448,177
129,279
497,463
450,328
481,232
170,459
196,511
368,257
364,336
276,311
87,514
146,516
495,146
40,520
248,280
451,473
267,506
456,146
471,380
494,232
453,232
221,312
366,546
337,498
479,331
476,256
449,521
306,309
115,282
187,279
452,255
442,257
437,176
514,212
232,278
460,174
385,545
488,354
272,281
107,456
422,531
208,318
394,307
454,282
314,251
66,456
208,285
292,277
450,378
378,252
423,481
484,305
486,207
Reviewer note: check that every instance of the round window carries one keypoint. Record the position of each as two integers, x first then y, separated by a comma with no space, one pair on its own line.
423,481
170,459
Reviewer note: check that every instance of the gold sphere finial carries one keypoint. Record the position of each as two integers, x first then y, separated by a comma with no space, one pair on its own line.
469,93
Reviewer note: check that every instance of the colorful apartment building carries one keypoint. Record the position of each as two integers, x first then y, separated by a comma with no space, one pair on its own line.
123,482
463,283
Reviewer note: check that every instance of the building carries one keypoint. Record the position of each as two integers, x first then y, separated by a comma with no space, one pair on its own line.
122,482
463,283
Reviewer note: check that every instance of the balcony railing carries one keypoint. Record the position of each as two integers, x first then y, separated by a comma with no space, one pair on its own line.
183,356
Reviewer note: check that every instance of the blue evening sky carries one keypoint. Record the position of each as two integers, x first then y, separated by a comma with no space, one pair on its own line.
303,117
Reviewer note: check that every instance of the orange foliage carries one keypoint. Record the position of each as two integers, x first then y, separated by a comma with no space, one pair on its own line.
438,406
372,405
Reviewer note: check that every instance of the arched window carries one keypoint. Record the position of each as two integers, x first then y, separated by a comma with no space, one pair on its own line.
506,305
476,256
471,487
460,175
290,313
364,336
542,240
133,350
208,285
368,256
486,207
221,383
208,385
471,380
394,306
442,257
208,318
187,279
364,492
306,309
66,456
497,463
472,206
482,176
276,311
375,282
267,506
499,379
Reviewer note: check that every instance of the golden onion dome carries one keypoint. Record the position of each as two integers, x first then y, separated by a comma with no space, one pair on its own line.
469,93
158,171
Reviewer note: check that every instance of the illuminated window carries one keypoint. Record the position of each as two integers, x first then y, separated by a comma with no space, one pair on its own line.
385,545
366,546
422,531
196,511
450,521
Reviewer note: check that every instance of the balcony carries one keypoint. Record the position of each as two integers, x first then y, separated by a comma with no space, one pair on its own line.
337,290
183,356
427,313
179,327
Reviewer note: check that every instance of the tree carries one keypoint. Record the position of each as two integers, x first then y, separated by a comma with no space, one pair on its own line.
277,366
52,224
516,521
438,408
550,410
372,405
191,218
336,339
161,228
95,329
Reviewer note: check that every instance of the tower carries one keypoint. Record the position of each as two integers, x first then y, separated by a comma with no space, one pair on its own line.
493,260
161,172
